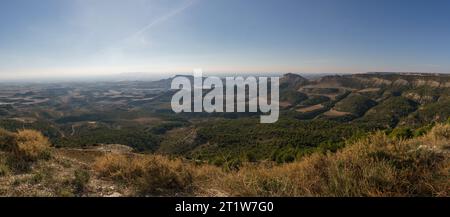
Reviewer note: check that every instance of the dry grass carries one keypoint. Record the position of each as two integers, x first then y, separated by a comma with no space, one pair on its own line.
376,166
151,174
31,145
23,148
162,175
437,139
120,167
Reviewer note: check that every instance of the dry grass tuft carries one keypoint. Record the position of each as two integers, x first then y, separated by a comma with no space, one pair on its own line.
151,174
120,167
31,145
162,175
23,148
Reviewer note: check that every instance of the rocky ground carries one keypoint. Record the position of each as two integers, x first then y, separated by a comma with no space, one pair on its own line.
60,176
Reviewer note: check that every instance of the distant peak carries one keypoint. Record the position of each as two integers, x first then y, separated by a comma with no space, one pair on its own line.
293,75
292,81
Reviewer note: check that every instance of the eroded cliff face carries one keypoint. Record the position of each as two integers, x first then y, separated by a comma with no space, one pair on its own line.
386,80
421,98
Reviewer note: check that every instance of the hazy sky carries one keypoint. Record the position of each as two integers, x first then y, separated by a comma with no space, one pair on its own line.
48,38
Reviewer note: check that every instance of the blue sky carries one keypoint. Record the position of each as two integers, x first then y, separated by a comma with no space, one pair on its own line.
49,38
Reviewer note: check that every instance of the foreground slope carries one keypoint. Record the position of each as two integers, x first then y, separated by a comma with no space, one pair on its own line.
377,165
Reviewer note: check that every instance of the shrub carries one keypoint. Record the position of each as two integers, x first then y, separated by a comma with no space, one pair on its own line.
4,169
81,180
23,148
423,130
7,140
232,164
162,176
330,146
120,167
31,145
401,133
149,174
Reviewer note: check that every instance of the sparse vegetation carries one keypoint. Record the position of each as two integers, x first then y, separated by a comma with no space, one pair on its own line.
4,169
150,174
81,180
402,133
31,145
373,166
120,167
23,148
376,166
